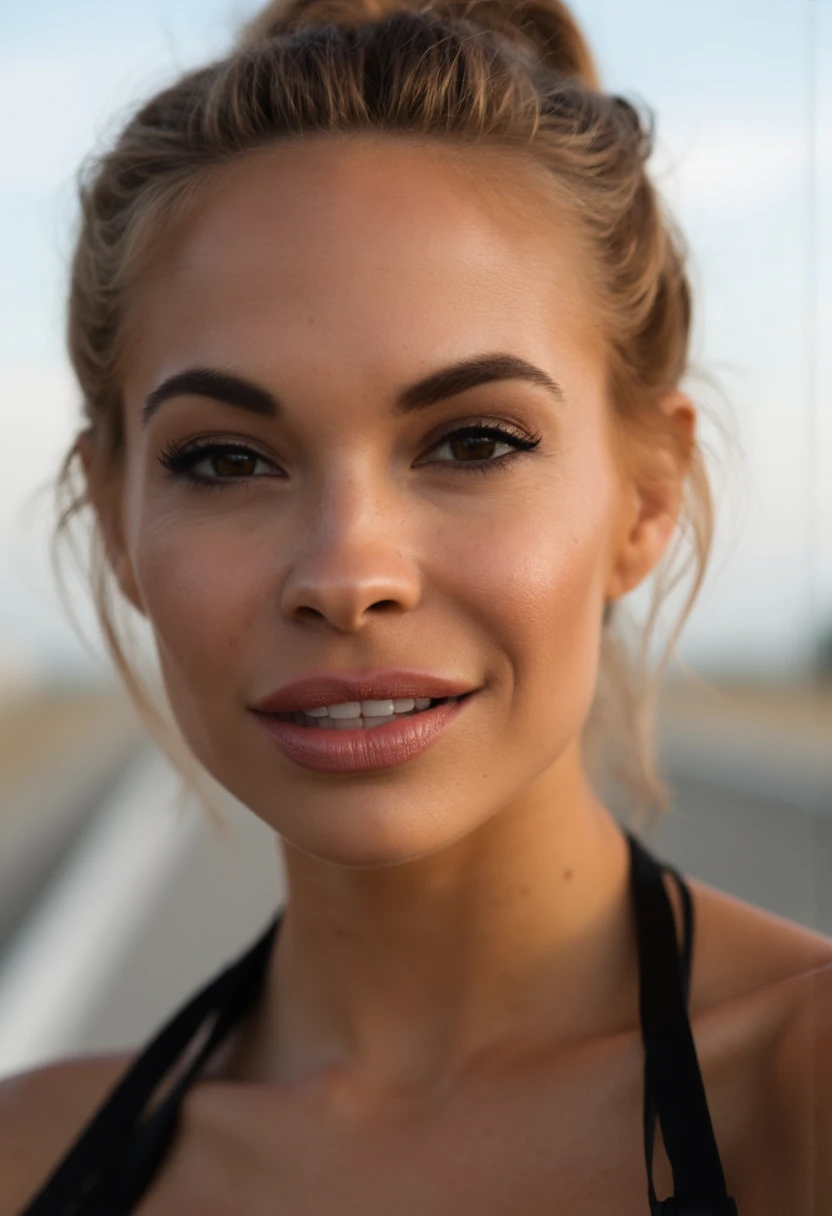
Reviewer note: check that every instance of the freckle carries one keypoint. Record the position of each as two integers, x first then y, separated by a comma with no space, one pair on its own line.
568,873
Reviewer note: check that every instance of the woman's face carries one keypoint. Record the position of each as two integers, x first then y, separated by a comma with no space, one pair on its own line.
353,536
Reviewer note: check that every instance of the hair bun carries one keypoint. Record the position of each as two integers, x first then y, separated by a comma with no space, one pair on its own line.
549,30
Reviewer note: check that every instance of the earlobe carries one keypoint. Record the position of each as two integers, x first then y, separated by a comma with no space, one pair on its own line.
654,502
642,549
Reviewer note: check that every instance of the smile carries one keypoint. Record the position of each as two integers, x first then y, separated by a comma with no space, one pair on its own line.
363,715
362,742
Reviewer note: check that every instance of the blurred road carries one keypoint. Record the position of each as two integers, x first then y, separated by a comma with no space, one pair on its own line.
61,758
147,904
752,808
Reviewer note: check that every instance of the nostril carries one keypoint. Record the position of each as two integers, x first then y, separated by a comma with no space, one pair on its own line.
307,613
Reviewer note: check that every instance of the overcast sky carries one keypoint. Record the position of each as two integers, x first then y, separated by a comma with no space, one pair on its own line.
743,96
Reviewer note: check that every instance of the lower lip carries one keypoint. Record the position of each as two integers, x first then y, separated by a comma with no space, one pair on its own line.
362,750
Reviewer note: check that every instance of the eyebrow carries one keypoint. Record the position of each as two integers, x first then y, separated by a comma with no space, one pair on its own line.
438,386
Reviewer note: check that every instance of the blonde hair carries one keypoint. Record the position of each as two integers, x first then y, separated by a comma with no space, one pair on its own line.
512,76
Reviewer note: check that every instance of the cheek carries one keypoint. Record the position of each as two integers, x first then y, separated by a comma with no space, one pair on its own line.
200,584
536,564
534,581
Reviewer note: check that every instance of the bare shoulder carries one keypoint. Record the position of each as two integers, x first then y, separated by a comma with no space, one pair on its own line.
41,1113
761,1012
802,1072
743,952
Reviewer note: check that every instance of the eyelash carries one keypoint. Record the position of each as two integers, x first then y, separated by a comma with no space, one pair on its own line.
179,459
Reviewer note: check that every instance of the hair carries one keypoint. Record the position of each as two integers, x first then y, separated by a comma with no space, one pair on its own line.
516,77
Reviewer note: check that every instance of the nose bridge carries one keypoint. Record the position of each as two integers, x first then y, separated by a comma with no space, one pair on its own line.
352,555
351,482
350,497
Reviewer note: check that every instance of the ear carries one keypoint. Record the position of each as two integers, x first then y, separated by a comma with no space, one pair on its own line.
652,498
104,495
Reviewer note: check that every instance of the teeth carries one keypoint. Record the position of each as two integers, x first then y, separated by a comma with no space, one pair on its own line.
355,715
366,723
372,709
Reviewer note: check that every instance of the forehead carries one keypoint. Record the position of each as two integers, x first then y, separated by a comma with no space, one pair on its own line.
337,248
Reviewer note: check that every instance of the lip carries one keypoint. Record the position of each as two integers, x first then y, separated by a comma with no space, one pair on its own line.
312,692
362,749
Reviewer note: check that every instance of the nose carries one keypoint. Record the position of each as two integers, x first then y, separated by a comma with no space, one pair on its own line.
352,560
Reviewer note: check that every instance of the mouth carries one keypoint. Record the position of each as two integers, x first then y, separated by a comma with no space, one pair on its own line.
359,740
365,715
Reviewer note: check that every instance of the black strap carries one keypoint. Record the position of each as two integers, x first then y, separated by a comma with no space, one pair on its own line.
684,971
673,1086
95,1168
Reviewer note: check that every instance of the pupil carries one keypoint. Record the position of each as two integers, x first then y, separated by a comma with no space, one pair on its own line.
475,445
236,461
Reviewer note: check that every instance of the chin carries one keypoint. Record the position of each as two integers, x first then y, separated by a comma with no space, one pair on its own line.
377,825
370,845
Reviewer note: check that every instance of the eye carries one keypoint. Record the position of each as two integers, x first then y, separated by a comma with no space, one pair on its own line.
231,461
472,447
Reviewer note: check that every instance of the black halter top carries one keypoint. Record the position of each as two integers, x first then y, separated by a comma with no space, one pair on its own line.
111,1164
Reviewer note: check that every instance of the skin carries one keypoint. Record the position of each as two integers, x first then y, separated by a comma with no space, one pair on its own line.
457,968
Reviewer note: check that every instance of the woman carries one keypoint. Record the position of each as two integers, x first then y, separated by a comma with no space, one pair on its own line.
380,328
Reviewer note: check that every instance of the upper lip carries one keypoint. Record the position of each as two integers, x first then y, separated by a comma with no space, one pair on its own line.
312,692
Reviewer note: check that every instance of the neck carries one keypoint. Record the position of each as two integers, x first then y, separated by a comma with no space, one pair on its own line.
398,978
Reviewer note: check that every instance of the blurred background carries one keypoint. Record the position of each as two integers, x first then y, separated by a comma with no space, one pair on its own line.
114,904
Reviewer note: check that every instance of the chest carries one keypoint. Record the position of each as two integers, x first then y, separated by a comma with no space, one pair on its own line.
566,1137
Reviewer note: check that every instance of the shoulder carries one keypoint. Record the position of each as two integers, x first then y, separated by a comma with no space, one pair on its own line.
41,1113
802,1071
743,952
762,990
